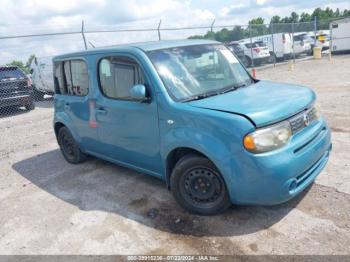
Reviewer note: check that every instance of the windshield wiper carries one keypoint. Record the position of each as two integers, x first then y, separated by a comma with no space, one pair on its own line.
198,97
232,88
218,92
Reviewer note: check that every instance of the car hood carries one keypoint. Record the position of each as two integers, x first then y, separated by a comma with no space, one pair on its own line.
263,103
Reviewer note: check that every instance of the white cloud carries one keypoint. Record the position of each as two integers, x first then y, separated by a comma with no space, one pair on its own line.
42,16
203,14
261,2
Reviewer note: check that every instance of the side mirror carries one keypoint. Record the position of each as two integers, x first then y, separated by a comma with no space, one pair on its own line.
138,92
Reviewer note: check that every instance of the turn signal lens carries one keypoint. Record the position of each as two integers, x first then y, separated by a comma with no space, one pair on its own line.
249,142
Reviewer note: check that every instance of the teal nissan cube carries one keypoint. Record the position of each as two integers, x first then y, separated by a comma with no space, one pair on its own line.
189,113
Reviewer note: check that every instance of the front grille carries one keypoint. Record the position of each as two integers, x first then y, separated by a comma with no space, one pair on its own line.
302,120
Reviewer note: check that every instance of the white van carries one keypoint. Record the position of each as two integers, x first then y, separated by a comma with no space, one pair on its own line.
41,70
340,35
279,44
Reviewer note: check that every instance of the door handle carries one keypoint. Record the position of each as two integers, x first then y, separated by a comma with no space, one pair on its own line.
101,110
66,105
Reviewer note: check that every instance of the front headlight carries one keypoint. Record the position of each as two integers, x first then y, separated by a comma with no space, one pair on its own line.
268,138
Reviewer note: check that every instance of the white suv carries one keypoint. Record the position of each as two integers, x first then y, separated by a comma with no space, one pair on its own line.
302,44
257,51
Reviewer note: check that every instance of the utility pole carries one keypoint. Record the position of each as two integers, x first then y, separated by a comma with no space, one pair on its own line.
158,29
83,34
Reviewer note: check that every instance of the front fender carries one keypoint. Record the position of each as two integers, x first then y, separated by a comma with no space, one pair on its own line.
213,148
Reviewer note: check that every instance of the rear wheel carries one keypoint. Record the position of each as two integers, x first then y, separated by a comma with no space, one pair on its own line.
274,58
30,106
69,147
198,186
38,96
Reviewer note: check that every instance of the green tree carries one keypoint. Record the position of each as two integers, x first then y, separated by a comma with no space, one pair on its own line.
210,35
20,65
256,21
305,17
337,13
30,60
25,67
224,35
294,17
275,20
196,37
238,33
257,27
301,23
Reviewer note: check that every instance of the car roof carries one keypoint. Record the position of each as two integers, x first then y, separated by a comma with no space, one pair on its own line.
144,46
300,33
8,67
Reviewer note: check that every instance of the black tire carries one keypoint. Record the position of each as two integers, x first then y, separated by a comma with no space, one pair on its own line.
257,62
273,58
69,147
247,61
38,96
198,187
30,106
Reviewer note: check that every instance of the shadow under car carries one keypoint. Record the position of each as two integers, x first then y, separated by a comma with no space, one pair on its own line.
100,185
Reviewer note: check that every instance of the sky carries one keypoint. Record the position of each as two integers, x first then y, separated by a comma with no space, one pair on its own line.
23,17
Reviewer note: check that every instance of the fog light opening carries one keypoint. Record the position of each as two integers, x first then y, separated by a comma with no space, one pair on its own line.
293,187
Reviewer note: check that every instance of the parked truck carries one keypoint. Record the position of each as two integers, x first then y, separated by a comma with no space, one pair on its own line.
340,35
41,71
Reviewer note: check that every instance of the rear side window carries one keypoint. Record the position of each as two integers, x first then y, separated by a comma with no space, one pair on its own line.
118,75
7,73
72,78
249,45
298,37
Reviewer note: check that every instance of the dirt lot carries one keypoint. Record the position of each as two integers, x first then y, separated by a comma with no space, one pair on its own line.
48,206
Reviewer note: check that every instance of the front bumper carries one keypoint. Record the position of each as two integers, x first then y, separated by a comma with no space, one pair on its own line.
264,59
277,176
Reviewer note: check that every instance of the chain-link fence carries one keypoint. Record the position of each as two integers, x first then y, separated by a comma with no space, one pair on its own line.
254,44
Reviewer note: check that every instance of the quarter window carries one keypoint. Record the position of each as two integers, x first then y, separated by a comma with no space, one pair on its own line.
118,75
58,79
75,80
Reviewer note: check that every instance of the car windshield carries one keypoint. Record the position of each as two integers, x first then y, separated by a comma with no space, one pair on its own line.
193,72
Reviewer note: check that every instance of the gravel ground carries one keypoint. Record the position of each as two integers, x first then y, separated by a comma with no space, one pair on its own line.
51,207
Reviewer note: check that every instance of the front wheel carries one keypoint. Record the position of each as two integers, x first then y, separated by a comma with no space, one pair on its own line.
198,186
247,61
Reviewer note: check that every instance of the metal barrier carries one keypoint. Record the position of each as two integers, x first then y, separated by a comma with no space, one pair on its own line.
254,44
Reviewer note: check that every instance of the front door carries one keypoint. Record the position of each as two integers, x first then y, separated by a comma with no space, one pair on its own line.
128,129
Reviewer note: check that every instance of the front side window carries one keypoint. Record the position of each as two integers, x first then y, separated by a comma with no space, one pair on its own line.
118,75
197,70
